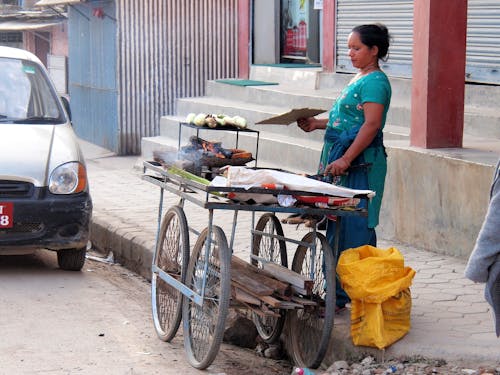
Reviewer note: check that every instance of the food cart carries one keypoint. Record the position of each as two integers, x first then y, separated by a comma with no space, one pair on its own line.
197,286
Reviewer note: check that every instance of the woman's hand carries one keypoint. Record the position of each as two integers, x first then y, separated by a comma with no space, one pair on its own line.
338,167
311,123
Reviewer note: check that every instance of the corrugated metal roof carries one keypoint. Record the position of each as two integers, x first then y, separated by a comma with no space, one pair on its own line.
20,25
57,2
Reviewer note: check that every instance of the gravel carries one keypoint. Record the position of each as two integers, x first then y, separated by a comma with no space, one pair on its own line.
406,366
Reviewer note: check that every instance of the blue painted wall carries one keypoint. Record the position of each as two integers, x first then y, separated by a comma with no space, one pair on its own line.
92,73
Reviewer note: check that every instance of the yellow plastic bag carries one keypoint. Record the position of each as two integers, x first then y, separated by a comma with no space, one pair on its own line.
378,284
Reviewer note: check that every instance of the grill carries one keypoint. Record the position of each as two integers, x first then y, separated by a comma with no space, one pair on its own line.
20,228
15,189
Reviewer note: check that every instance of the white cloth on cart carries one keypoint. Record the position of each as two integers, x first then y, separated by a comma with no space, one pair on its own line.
247,178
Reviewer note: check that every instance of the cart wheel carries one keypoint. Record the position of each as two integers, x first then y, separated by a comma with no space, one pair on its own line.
171,256
204,325
310,328
273,250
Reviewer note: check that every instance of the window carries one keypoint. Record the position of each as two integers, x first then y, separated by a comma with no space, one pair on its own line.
11,37
10,2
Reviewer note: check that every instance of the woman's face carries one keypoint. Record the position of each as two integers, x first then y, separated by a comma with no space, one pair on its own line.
360,54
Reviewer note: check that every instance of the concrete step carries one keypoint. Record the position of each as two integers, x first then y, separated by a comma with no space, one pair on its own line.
481,115
395,132
273,150
255,112
306,77
252,112
401,87
482,122
295,96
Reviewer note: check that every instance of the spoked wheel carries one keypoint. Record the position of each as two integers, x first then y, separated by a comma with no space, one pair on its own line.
204,325
171,256
310,328
272,250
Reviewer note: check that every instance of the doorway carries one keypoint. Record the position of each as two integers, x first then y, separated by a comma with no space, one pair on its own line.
299,32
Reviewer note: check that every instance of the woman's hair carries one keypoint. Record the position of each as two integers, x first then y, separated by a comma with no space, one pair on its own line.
374,35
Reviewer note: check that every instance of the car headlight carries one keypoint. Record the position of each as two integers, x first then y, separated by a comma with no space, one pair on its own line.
69,178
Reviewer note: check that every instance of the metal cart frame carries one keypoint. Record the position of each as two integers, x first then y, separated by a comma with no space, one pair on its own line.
195,284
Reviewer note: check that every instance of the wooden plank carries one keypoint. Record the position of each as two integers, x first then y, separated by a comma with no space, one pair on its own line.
244,268
289,276
304,301
242,296
287,305
301,291
269,312
262,312
251,284
271,301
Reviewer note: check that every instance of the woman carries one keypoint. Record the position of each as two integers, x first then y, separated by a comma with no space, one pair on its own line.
353,143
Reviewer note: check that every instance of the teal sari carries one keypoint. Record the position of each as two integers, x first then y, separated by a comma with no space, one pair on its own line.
345,120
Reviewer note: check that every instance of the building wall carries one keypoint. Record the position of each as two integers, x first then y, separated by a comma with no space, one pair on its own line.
59,45
168,50
57,39
92,73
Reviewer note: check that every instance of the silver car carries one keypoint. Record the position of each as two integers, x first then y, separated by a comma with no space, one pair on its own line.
44,192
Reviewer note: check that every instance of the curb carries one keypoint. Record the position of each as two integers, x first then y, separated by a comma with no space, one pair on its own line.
130,248
135,252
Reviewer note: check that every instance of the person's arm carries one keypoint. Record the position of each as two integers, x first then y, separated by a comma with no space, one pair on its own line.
373,121
311,123
487,246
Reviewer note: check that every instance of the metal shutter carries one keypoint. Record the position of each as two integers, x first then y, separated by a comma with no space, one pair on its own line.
483,41
396,15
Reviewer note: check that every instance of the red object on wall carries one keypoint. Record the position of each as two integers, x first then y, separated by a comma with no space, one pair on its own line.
288,42
98,12
295,37
302,36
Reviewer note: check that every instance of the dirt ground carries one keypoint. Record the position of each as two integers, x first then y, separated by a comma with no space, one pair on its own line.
97,321
230,359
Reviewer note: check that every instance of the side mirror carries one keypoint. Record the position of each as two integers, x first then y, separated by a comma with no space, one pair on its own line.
65,103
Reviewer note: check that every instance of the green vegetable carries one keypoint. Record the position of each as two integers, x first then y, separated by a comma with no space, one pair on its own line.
221,119
192,177
187,175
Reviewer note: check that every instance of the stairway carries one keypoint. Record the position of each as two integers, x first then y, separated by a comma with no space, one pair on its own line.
436,198
281,146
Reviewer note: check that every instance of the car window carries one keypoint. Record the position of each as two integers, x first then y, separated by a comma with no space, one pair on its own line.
25,94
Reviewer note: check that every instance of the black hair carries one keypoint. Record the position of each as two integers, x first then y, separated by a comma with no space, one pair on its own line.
374,35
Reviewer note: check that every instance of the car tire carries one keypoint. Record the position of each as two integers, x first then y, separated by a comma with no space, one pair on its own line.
71,259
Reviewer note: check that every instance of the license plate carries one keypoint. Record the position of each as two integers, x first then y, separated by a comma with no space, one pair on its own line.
6,215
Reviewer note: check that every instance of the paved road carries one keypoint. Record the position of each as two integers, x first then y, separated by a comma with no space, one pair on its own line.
97,321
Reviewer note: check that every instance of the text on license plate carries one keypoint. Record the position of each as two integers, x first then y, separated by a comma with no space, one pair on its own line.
6,215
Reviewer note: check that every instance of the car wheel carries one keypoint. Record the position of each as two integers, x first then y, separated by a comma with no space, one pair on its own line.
71,259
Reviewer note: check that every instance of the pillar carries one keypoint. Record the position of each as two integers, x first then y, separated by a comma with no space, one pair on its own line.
243,38
438,82
329,16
